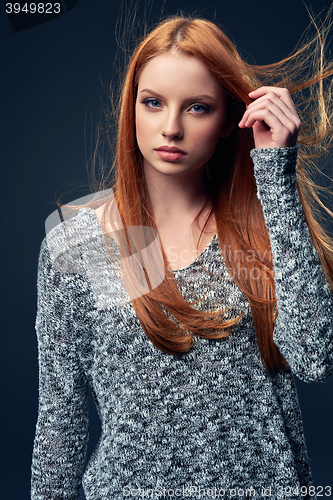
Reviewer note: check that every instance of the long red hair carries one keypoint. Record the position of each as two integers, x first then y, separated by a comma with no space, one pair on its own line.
232,190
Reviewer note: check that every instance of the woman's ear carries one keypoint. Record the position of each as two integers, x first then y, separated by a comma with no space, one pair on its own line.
227,129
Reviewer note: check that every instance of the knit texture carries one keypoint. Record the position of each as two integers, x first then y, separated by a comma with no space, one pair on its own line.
207,423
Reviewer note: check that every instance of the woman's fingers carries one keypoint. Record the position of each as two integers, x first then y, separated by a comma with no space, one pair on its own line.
271,130
270,100
269,109
274,109
282,93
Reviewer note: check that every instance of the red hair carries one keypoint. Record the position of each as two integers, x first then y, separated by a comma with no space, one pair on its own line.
232,193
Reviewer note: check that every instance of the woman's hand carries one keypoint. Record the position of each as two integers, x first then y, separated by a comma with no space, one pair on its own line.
273,118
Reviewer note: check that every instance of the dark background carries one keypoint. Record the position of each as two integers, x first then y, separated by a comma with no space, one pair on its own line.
53,84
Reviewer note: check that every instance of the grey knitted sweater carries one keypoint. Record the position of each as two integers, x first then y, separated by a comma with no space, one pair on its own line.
212,423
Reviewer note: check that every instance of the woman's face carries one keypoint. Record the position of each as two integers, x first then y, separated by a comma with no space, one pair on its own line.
180,114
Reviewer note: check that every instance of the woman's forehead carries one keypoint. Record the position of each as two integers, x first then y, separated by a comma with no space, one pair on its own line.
175,72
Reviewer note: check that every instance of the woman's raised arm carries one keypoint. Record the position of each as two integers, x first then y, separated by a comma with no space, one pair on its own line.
304,327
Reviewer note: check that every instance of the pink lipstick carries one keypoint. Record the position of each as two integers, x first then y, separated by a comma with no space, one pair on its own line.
168,153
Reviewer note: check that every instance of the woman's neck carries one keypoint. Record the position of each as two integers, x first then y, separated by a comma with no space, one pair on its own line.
176,200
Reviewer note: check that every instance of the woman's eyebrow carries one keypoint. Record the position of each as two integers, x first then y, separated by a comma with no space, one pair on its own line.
150,92
191,98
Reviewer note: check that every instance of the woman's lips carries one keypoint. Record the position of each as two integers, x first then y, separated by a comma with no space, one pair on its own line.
170,153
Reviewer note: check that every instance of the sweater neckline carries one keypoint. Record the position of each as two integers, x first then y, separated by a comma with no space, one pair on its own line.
199,260
90,212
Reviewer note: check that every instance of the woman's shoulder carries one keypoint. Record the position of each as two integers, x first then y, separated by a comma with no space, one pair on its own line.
109,218
86,245
64,242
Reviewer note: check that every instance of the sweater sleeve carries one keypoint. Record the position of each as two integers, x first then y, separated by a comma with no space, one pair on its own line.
62,426
304,327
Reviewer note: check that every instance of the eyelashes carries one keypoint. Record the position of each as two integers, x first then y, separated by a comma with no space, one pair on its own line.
203,108
151,103
198,108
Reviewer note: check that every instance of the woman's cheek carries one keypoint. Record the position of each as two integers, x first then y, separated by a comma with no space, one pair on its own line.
146,129
208,143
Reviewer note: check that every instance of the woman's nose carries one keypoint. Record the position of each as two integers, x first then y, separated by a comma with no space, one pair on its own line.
172,126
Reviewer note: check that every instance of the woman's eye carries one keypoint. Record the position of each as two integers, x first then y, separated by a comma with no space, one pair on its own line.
151,103
200,108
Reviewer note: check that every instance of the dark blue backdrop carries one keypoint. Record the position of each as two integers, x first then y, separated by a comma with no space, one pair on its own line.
53,80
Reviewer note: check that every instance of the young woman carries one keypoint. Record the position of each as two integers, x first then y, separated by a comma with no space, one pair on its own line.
193,376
